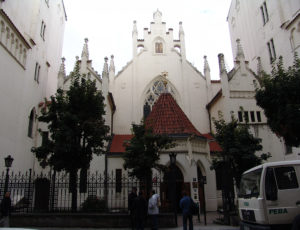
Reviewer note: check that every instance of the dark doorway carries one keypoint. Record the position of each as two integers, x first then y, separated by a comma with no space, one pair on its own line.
168,190
200,189
42,192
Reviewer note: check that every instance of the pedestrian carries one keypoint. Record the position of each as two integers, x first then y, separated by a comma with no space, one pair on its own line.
140,211
5,209
153,209
185,205
131,198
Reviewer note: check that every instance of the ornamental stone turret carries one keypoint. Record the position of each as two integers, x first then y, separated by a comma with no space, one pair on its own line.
223,76
111,72
182,40
208,78
240,57
134,39
61,74
105,78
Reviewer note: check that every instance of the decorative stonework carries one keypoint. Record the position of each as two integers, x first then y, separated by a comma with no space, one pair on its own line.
242,94
12,40
157,88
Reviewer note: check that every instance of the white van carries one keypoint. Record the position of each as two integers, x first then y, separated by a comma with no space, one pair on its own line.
269,195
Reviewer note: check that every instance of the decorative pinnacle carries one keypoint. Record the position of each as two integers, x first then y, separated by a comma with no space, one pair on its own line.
134,30
112,64
62,66
221,63
181,29
85,50
206,65
259,66
105,66
240,52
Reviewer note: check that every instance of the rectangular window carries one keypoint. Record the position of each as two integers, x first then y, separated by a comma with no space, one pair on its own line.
271,48
240,114
37,72
252,116
258,116
286,178
118,180
264,13
246,114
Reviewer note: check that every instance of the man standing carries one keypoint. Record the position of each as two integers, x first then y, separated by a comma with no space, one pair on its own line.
5,209
185,205
140,209
153,209
131,198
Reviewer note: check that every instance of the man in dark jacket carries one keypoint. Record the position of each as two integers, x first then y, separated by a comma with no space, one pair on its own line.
5,209
131,198
185,205
140,211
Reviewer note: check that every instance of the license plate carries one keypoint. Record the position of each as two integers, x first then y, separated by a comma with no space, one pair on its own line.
246,228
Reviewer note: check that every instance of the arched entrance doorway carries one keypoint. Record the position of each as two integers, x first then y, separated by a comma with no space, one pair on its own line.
200,188
172,186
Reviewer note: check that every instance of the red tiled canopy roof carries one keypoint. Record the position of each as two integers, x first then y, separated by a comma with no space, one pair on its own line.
117,144
167,117
213,145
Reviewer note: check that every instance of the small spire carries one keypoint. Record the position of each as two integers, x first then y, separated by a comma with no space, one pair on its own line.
240,53
105,67
181,29
221,63
85,50
62,68
112,64
259,66
157,16
134,30
206,65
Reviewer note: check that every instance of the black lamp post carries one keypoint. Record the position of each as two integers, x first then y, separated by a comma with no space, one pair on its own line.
173,184
8,162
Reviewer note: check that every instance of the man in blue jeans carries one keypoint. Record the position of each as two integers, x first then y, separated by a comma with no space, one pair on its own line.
185,204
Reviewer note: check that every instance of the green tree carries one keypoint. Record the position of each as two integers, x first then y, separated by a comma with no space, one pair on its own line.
142,153
238,148
237,155
279,96
77,129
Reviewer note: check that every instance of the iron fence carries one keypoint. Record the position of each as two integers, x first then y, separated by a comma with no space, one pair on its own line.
50,192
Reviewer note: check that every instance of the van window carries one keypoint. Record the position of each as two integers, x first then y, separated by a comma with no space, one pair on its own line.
286,178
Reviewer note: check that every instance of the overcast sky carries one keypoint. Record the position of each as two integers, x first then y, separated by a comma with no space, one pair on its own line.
108,26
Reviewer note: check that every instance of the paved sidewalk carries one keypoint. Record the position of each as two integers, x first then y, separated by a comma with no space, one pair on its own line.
210,225
211,216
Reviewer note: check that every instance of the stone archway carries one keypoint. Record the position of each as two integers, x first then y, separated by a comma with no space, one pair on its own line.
169,190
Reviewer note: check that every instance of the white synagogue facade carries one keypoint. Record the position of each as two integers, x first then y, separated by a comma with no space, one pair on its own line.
159,65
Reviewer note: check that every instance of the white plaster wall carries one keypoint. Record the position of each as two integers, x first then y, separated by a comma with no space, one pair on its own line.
245,22
130,85
25,93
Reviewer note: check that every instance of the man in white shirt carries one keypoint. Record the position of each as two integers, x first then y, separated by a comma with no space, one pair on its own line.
153,209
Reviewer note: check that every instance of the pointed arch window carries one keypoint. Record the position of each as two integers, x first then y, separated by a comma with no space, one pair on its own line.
30,123
155,90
